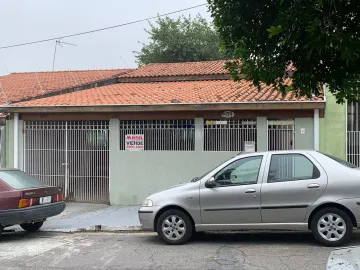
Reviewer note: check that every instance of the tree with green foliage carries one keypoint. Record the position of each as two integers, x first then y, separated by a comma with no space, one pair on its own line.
180,40
320,39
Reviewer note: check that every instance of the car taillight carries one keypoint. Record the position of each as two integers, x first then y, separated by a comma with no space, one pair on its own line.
58,198
23,203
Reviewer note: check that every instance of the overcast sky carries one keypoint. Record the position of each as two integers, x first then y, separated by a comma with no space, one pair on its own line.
29,20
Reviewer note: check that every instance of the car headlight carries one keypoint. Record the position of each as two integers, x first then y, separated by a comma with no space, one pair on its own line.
147,203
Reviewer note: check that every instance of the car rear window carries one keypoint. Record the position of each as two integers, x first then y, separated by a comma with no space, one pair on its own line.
20,180
343,162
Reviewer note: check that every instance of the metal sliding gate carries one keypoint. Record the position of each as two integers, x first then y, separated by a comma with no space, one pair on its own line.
70,154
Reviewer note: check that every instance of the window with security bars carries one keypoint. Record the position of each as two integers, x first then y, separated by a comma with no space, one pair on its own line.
230,135
157,135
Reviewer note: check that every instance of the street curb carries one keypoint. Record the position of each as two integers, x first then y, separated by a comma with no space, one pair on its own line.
97,228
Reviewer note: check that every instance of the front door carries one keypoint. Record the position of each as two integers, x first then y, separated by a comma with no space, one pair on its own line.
236,197
292,183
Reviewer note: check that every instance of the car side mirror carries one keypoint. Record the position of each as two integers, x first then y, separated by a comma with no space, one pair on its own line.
210,183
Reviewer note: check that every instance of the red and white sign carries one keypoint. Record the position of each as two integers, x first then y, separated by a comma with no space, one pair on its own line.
134,142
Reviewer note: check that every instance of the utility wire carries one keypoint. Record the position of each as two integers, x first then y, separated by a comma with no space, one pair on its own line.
101,29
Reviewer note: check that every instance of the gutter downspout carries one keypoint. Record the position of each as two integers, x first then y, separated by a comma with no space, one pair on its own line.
16,140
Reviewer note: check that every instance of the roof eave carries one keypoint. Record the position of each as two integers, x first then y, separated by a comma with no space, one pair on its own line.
279,105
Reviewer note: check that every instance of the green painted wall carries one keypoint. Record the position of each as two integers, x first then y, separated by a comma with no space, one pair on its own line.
333,128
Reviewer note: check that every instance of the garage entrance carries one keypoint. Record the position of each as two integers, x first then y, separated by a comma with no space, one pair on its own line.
70,154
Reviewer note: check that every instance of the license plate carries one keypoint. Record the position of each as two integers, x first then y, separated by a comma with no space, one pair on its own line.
44,200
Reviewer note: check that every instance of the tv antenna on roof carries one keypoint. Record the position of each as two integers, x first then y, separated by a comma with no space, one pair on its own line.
60,43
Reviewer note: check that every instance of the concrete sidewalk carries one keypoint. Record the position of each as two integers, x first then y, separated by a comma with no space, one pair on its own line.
92,217
345,258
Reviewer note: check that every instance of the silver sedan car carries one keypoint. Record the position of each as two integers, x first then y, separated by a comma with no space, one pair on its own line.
280,190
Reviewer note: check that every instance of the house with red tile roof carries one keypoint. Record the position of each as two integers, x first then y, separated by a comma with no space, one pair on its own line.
147,128
25,86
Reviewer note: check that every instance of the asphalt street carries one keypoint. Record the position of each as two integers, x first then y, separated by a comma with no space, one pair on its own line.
145,251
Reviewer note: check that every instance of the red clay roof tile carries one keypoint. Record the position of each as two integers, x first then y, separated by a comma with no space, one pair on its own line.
18,86
221,91
178,69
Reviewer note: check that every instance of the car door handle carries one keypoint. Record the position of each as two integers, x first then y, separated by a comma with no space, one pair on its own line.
313,186
250,190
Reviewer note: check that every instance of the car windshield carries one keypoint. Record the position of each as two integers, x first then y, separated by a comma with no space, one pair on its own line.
195,179
199,178
343,162
20,180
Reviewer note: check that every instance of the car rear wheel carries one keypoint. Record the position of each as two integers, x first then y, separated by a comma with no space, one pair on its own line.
31,227
174,227
332,227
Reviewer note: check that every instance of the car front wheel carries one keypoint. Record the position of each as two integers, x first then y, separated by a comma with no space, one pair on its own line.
31,227
174,227
332,227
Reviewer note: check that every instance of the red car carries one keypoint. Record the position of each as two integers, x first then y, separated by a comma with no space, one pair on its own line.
26,201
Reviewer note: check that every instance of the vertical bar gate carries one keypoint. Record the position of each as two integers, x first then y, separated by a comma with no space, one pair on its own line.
353,134
281,135
70,154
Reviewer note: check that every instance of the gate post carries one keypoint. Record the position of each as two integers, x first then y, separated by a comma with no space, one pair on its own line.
262,134
21,145
66,164
114,147
199,134
16,140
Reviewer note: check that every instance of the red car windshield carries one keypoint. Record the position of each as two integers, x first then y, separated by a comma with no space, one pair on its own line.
20,180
